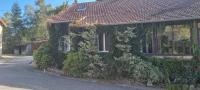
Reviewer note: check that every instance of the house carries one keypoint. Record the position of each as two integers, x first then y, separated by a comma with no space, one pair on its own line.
28,48
171,26
2,24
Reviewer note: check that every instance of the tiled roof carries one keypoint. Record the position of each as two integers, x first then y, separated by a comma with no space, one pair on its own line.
111,12
2,23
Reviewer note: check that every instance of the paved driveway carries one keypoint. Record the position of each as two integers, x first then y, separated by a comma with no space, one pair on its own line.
17,74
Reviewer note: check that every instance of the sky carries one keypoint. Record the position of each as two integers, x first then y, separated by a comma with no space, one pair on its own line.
5,5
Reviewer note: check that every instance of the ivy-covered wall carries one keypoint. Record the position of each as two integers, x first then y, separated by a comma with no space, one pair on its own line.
56,31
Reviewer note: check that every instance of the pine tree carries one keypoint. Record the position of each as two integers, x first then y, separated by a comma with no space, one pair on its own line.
16,23
123,48
127,63
88,47
16,17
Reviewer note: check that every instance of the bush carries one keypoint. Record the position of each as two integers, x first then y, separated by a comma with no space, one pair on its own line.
144,71
42,57
196,52
177,71
75,65
177,87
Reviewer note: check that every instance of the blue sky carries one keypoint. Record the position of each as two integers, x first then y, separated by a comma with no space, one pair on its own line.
7,4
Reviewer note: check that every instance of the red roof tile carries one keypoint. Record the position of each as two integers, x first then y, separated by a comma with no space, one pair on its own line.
2,22
109,12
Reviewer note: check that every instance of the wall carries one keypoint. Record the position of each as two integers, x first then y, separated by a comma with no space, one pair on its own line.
1,36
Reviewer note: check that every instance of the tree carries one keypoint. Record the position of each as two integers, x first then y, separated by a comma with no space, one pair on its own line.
16,23
88,48
7,18
29,23
60,8
29,17
122,46
16,18
42,32
13,34
128,64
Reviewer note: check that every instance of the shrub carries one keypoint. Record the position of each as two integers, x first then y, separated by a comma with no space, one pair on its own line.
74,64
42,57
196,52
177,71
145,71
177,87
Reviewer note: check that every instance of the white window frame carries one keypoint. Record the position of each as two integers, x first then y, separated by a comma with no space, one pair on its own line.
104,43
198,25
67,44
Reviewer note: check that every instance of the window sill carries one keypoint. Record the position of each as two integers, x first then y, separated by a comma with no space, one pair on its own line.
104,51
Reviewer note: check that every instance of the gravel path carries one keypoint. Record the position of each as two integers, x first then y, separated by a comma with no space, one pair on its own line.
17,74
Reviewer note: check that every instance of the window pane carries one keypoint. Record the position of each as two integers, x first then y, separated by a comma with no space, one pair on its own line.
147,42
166,38
100,38
175,39
199,33
61,44
108,41
181,39
64,44
144,45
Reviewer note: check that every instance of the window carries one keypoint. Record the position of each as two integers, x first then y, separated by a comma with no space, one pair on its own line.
198,25
64,44
81,8
103,42
147,43
168,40
175,39
166,37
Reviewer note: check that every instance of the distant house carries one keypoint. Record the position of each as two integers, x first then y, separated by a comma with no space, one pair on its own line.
2,24
171,26
28,48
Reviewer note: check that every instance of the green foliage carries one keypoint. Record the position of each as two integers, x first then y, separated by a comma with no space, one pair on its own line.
196,52
42,57
177,87
57,31
41,28
122,54
128,64
178,72
145,71
88,47
74,64
16,17
30,27
16,23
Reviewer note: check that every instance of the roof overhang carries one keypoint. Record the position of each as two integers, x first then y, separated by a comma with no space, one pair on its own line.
138,22
2,22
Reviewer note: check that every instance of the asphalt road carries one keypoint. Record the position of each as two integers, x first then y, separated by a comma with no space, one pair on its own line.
18,74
